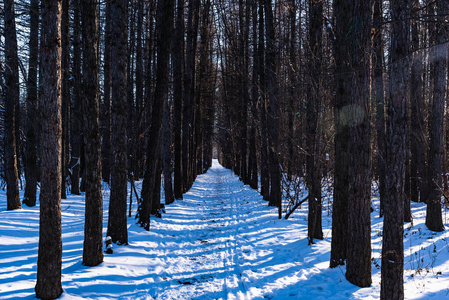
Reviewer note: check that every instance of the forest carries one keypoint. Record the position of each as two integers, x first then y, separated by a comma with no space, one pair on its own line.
132,126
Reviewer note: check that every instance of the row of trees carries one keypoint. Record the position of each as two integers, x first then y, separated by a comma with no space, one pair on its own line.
354,90
286,90
111,92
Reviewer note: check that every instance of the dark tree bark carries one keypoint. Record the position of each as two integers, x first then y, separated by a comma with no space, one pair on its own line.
106,105
117,228
76,141
343,22
130,87
138,122
93,227
29,198
49,261
313,110
164,35
252,156
65,92
393,246
417,130
272,90
434,220
264,171
205,90
243,58
380,99
178,71
292,89
358,269
166,155
156,192
189,93
12,95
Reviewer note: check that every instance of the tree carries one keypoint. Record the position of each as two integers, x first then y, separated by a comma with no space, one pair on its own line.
76,117
434,220
166,154
106,104
252,155
29,197
243,61
392,246
164,35
417,130
272,90
65,65
313,111
117,228
264,171
343,12
93,227
12,95
358,268
178,71
49,261
378,58
189,93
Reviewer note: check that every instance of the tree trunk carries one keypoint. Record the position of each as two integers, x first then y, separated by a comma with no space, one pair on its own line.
106,107
358,269
178,71
49,261
243,74
272,90
434,220
343,22
189,94
164,35
65,92
252,157
137,135
393,246
380,101
130,88
29,198
166,155
313,112
93,227
117,227
264,171
292,90
12,95
76,141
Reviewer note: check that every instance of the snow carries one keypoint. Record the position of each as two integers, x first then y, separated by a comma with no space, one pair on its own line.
221,242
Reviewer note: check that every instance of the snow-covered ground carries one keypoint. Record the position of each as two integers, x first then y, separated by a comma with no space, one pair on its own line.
221,242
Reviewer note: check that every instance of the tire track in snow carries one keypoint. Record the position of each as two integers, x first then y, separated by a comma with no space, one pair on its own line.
237,289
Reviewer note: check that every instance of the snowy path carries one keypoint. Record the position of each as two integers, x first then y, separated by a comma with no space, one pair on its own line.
212,245
221,242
